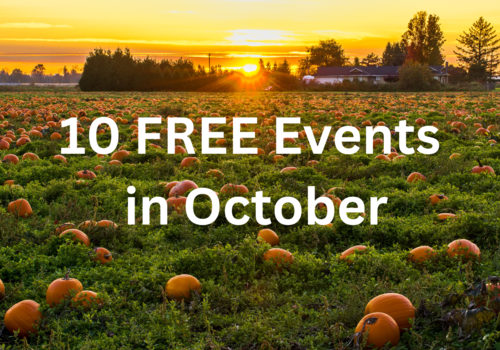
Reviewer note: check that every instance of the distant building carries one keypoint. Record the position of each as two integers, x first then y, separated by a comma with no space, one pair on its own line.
375,74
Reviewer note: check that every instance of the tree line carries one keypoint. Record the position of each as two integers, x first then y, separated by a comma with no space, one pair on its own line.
37,75
120,71
478,54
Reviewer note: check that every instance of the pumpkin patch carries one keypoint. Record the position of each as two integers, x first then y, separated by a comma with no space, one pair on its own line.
424,275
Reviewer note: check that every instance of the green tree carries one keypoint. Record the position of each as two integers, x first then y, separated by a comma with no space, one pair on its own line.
424,39
356,62
326,53
479,51
416,76
370,60
394,54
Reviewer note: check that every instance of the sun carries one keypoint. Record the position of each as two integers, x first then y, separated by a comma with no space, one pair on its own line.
250,68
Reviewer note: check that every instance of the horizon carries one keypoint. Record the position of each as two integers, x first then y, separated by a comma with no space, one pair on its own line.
235,32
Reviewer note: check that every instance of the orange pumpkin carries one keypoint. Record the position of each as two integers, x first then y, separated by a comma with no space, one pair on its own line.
86,298
420,254
436,198
61,158
395,305
120,155
2,290
86,174
463,247
381,329
11,158
280,257
21,207
189,161
66,226
170,185
444,216
23,317
414,177
103,255
78,236
215,173
177,203
482,169
231,189
352,250
181,286
30,156
61,289
268,236
181,188
107,223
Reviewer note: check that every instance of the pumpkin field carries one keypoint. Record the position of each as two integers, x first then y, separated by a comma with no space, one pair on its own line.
75,275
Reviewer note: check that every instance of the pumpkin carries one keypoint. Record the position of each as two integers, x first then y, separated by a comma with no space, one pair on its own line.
61,158
231,189
120,155
103,255
10,158
444,216
30,156
61,289
189,161
268,236
86,174
86,298
436,198
455,155
23,317
180,287
107,223
215,173
414,177
420,254
381,329
77,236
2,290
395,305
482,169
179,150
89,224
66,226
21,208
352,250
463,247
169,186
383,157
177,203
4,145
279,257
182,187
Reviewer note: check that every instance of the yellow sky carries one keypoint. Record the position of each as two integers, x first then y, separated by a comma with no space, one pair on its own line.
236,32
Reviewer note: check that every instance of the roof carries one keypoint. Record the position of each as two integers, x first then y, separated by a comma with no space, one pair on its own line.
368,70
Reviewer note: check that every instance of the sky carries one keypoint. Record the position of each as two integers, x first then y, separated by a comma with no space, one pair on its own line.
235,32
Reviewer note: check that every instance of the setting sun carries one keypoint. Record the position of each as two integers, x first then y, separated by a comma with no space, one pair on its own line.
250,68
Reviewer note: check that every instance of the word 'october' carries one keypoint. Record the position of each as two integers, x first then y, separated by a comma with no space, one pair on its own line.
259,200
238,135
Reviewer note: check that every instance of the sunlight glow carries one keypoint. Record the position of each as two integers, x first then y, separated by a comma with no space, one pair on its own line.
250,68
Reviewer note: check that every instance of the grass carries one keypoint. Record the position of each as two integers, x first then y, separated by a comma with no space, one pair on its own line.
316,302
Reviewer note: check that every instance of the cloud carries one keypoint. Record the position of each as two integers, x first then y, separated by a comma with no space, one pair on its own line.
32,25
339,34
260,37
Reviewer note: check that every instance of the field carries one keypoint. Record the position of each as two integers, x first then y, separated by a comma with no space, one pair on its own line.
246,302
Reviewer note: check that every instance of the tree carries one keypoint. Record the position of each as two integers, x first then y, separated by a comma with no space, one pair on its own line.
479,53
38,72
415,76
326,53
371,60
424,39
356,62
394,54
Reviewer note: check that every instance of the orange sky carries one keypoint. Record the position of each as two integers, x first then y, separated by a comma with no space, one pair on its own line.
236,32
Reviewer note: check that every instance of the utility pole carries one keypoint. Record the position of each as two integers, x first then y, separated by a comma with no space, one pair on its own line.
209,67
